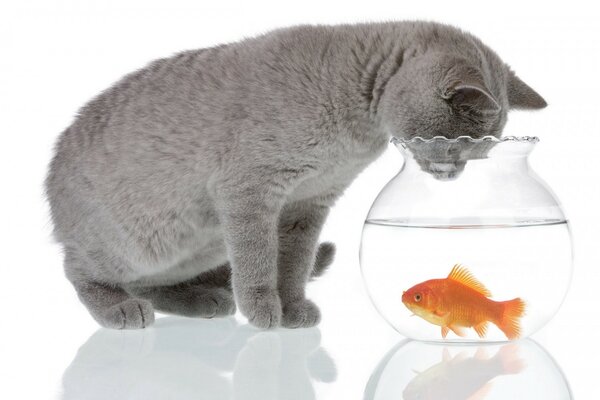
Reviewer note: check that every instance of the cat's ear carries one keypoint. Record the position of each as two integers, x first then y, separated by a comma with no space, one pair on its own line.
470,97
521,96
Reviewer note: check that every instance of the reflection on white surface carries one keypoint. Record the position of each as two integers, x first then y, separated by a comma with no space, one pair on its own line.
427,371
181,358
463,376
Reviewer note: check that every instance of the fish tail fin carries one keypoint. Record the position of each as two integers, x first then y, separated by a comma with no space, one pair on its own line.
509,359
510,322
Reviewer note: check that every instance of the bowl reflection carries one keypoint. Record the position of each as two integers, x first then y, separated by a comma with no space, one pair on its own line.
427,371
180,358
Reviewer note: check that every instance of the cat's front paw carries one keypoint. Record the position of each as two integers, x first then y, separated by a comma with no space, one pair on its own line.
300,314
129,314
261,306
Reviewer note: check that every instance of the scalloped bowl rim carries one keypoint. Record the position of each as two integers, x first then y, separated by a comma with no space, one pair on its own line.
443,139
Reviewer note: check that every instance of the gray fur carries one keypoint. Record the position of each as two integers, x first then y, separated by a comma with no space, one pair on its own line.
234,154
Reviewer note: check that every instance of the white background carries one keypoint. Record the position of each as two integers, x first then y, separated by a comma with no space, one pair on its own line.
55,55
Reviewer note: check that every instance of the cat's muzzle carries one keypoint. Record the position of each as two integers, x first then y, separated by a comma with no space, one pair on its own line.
443,171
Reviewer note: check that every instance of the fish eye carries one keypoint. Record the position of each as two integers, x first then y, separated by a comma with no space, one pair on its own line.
418,297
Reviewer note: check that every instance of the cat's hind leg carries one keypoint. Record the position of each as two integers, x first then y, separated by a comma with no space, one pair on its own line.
110,305
208,295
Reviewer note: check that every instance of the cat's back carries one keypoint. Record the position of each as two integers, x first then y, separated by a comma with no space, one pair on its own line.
211,82
194,94
200,82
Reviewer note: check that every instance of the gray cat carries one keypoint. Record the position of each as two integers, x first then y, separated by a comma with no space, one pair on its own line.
207,176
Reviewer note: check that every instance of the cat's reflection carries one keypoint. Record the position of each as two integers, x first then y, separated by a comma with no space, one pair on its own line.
421,371
182,358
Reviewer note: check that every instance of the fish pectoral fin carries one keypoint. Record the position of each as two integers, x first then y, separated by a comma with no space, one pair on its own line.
440,313
481,329
459,331
482,392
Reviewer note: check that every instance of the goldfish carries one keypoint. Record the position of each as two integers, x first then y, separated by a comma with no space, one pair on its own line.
461,301
464,377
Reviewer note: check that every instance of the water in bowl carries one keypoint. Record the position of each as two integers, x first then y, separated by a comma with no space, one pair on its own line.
529,259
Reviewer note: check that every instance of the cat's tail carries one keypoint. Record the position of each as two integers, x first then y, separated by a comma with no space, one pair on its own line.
324,258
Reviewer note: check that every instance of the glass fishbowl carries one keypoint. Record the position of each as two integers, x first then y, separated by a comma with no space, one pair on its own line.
466,243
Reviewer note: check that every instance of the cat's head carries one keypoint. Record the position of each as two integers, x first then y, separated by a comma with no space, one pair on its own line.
441,94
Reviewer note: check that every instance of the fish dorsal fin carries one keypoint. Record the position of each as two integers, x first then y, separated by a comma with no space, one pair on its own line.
462,275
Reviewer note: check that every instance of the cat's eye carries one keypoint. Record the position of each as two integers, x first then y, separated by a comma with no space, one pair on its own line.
417,297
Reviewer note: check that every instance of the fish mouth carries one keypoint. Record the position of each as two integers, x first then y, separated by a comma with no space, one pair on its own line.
417,311
411,307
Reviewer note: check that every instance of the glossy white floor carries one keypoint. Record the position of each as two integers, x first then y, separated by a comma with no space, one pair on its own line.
58,54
